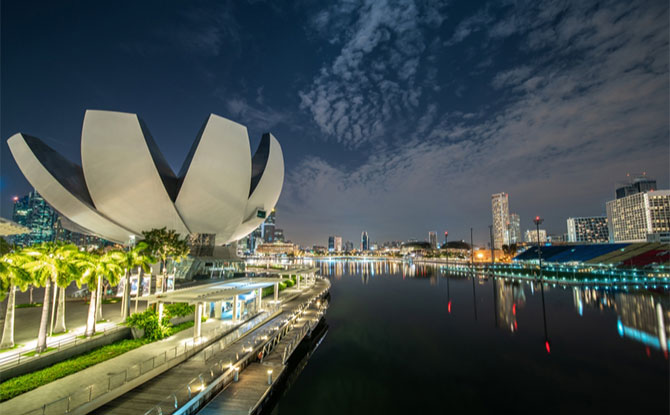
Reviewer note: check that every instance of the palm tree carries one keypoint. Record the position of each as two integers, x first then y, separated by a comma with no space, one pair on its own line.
47,261
164,244
64,280
12,276
135,257
94,268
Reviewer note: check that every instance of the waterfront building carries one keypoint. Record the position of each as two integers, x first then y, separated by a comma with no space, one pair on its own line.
268,228
33,212
639,217
514,229
432,239
338,244
331,244
591,229
348,246
365,241
531,236
125,186
276,248
640,184
500,209
279,235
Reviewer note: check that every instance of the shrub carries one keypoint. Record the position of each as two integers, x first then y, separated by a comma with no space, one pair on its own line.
178,310
148,321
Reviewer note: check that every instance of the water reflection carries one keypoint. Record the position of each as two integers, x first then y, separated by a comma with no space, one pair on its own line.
642,316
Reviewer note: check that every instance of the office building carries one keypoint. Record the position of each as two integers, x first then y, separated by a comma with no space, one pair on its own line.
500,209
590,229
639,184
33,212
514,229
338,244
432,239
348,246
331,244
365,241
268,228
279,235
531,236
639,217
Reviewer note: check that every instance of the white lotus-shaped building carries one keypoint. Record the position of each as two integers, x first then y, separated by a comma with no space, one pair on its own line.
124,185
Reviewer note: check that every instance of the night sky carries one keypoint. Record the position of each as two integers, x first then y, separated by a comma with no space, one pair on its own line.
395,117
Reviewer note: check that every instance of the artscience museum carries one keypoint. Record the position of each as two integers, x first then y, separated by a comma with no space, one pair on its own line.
124,185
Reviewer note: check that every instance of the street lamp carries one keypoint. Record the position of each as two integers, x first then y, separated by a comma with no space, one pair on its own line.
537,222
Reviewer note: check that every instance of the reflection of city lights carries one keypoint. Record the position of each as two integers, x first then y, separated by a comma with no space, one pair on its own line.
449,307
547,346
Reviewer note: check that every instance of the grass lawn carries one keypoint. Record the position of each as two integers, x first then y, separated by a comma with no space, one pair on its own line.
21,384
30,354
28,305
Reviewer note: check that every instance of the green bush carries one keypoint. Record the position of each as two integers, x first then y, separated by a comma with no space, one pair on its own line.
148,321
179,310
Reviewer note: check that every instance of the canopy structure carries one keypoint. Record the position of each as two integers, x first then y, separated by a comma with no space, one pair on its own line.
8,227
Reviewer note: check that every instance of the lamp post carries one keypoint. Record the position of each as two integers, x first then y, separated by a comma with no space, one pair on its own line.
537,222
446,247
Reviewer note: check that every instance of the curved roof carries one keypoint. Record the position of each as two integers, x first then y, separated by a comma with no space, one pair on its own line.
125,186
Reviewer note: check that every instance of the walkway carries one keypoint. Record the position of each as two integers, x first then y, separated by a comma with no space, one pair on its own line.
174,382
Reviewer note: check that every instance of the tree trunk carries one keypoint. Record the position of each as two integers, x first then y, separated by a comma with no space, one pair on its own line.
140,274
53,309
44,322
126,296
8,330
60,314
31,294
98,300
90,318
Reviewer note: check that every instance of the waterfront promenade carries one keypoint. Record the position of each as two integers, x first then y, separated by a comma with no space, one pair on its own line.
96,382
173,385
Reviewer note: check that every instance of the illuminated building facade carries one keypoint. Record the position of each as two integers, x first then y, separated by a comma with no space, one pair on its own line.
432,239
331,244
33,212
500,209
590,229
338,244
639,217
514,229
531,236
365,241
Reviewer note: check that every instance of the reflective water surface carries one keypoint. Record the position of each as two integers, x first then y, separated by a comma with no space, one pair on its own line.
408,338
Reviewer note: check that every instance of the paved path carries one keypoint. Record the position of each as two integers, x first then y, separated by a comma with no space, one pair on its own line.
239,398
144,397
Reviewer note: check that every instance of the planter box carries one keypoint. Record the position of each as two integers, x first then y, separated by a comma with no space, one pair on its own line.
137,333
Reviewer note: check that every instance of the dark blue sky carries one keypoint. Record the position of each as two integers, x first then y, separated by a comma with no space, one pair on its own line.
397,117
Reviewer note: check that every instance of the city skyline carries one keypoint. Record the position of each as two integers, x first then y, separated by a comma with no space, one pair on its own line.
473,103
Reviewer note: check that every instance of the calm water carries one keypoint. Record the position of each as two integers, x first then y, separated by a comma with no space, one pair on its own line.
409,339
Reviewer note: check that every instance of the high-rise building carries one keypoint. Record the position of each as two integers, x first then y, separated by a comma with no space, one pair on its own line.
33,212
77,238
531,236
639,217
500,208
279,235
639,184
514,229
338,244
365,241
348,246
331,244
268,228
590,229
432,239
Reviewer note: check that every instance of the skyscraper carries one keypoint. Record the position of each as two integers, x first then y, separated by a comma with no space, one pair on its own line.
432,239
640,217
500,208
531,236
514,228
639,184
33,212
331,243
268,228
592,229
365,242
338,244
348,246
